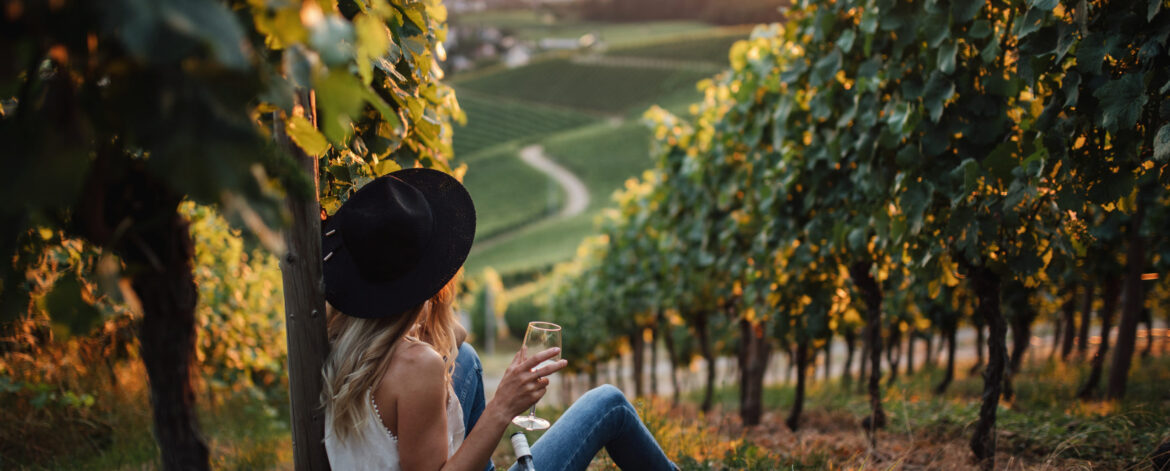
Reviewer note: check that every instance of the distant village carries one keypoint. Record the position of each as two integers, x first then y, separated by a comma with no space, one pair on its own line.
471,46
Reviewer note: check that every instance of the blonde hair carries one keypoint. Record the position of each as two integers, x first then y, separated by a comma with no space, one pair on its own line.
362,349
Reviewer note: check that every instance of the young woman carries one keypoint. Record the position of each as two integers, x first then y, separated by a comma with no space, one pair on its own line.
402,390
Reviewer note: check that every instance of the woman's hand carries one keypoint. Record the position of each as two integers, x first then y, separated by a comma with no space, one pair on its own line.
522,386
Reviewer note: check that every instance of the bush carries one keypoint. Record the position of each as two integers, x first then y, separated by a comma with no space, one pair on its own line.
520,313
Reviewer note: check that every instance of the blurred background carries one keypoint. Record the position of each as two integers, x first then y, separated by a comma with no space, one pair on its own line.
554,94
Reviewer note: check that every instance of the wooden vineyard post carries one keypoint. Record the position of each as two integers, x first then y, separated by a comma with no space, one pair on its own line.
304,310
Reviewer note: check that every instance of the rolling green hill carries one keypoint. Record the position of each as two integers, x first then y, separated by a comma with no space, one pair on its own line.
494,178
586,87
560,101
531,25
708,47
492,120
603,156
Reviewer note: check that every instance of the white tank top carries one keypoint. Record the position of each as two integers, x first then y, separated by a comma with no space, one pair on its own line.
375,447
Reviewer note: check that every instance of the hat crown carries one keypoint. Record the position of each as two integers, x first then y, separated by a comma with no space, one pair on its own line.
386,228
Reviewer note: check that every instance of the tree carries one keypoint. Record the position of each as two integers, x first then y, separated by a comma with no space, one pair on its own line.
114,112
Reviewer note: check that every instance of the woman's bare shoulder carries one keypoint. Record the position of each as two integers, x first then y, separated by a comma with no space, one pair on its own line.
417,354
414,364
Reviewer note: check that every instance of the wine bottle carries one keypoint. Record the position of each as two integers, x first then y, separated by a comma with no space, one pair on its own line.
523,454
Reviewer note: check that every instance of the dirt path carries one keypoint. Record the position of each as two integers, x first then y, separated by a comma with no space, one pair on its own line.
577,195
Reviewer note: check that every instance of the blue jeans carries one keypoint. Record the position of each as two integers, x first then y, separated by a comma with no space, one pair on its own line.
601,418
467,380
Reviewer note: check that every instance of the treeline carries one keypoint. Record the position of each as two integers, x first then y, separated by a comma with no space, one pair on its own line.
884,172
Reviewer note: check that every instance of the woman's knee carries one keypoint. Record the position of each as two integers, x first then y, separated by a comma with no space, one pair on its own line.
607,397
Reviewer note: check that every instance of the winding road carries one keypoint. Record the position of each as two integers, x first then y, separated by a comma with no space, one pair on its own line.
577,195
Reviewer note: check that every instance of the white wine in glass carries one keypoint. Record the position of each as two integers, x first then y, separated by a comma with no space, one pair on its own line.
540,336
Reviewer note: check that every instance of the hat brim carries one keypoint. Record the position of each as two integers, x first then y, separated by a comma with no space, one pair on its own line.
453,215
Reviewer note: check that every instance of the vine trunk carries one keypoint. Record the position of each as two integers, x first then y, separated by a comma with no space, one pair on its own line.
987,286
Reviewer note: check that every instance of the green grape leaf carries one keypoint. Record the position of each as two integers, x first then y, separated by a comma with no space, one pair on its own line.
869,20
339,98
991,51
181,23
946,57
416,15
935,30
965,10
1030,23
306,136
857,238
1070,86
968,169
938,90
1001,161
1162,144
825,68
899,117
1121,101
384,167
980,29
1046,5
332,38
373,42
845,42
1066,37
1091,53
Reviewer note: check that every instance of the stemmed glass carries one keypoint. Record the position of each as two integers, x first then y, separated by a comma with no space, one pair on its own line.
540,336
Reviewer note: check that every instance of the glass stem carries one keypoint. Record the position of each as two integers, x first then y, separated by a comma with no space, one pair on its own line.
532,413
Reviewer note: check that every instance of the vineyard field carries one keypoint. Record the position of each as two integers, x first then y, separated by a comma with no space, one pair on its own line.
499,207
533,248
1039,430
492,121
603,156
711,47
531,25
860,234
618,91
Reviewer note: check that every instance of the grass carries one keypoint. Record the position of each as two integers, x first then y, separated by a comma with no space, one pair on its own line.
533,247
1043,427
587,87
242,434
243,431
603,155
494,177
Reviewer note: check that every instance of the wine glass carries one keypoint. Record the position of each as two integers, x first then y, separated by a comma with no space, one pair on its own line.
540,336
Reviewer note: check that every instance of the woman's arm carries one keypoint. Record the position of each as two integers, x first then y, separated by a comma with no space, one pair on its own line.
416,377
519,389
422,420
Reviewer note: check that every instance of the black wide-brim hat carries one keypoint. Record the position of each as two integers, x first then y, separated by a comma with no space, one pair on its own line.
396,242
